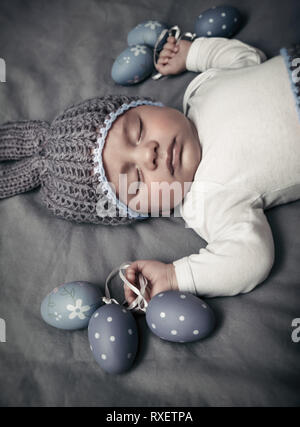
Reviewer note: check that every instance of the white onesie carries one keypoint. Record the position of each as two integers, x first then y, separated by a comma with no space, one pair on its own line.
249,131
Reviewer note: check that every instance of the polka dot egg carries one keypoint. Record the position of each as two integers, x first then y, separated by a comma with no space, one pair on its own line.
146,33
71,305
133,65
113,338
222,21
179,317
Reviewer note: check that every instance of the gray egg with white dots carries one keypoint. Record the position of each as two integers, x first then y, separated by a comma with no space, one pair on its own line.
113,338
221,21
179,317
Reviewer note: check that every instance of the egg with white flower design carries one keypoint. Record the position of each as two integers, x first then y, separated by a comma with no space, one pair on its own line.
133,65
113,338
146,33
71,305
179,317
221,21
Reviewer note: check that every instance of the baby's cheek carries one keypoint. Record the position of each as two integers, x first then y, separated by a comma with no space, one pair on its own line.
164,196
144,201
139,203
170,196
157,197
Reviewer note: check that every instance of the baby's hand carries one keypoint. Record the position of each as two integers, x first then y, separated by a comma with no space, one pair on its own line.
172,58
160,276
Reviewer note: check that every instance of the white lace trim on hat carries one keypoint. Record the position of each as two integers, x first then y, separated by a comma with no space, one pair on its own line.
97,157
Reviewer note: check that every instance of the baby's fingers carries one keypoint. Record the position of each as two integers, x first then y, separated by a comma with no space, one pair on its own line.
170,47
163,67
167,53
130,296
171,40
163,61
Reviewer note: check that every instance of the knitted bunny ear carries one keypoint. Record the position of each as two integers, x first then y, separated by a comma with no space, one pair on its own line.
22,139
19,177
22,142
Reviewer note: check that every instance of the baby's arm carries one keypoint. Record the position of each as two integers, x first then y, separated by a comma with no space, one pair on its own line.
239,254
240,250
205,53
218,52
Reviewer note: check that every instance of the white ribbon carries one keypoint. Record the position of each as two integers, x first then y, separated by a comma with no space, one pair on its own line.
140,303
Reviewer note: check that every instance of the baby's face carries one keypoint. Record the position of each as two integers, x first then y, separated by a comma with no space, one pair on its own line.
150,156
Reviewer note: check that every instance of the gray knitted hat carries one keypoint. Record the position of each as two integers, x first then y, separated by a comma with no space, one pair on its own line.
59,158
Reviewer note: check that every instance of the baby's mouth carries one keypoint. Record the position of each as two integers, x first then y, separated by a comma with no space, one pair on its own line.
176,155
169,159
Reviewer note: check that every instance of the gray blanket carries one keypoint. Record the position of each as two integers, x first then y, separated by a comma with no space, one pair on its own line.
59,52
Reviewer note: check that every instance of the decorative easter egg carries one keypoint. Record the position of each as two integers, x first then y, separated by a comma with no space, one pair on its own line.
71,305
146,33
179,317
133,65
113,338
221,21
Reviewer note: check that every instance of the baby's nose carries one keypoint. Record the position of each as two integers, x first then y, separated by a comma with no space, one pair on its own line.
148,155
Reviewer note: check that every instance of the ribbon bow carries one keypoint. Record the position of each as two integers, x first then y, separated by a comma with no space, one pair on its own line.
140,303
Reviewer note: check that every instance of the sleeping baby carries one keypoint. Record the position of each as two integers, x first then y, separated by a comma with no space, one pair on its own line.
239,144
234,152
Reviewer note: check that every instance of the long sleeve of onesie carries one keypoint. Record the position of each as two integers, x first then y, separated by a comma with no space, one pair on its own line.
217,52
240,250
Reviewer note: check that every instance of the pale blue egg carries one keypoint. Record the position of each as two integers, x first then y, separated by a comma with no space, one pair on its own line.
113,338
221,21
179,317
71,305
146,33
133,65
